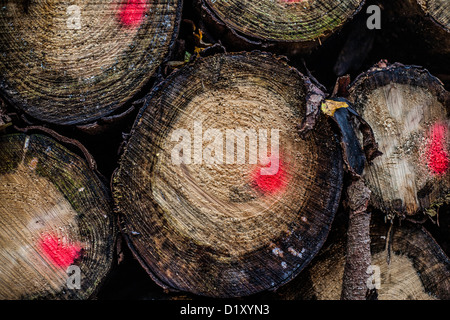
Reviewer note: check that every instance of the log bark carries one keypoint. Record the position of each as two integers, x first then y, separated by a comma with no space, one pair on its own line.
408,111
358,259
284,26
55,213
407,264
224,229
67,64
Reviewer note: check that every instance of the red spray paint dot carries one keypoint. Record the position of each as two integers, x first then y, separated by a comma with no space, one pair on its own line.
60,252
437,154
269,183
132,12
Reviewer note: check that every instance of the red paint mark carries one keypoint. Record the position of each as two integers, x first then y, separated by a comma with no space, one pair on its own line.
437,154
132,12
270,183
58,251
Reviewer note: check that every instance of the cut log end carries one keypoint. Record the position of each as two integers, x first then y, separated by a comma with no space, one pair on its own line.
438,10
70,64
406,264
282,21
408,110
54,218
216,179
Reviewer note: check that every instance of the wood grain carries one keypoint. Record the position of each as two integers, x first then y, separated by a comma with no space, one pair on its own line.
296,24
206,228
410,266
73,66
54,212
403,104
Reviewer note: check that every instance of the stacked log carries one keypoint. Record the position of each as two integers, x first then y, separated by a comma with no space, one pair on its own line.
72,64
417,32
283,25
407,264
229,180
408,110
223,225
57,230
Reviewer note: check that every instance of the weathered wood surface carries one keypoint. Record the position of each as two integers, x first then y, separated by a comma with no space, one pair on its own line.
408,110
236,237
407,264
225,229
54,213
66,63
290,26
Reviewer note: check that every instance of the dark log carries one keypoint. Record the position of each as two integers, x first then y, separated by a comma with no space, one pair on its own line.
54,213
416,32
438,11
408,111
356,48
66,63
283,25
430,19
226,229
